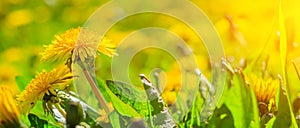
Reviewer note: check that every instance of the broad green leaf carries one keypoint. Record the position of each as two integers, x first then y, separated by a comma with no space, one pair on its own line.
127,91
239,102
36,122
255,123
25,120
101,86
123,104
222,118
128,101
270,124
114,119
283,116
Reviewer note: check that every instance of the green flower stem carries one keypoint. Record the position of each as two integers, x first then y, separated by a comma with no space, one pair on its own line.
97,93
94,87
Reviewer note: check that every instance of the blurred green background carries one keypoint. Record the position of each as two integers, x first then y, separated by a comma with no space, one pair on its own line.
25,26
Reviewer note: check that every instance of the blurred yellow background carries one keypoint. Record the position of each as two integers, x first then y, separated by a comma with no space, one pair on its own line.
246,27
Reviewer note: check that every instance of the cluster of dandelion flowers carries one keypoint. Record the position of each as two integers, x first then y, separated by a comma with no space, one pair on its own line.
9,112
78,42
265,92
45,83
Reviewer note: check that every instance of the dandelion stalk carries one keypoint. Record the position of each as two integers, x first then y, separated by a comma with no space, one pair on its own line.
96,91
94,87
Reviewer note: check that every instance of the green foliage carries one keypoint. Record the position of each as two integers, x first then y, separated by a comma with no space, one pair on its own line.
36,122
222,118
38,110
115,120
239,102
270,124
125,100
283,116
124,105
74,114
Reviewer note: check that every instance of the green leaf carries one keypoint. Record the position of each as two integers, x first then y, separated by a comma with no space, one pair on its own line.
239,102
133,102
283,117
124,105
36,122
222,118
255,123
114,119
270,123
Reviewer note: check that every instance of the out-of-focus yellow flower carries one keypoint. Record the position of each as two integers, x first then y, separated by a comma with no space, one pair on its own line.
8,73
169,96
61,47
190,37
43,84
19,18
68,44
172,84
265,91
9,112
13,55
185,33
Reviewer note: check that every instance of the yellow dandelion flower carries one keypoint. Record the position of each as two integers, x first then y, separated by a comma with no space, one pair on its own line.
9,112
68,44
61,47
86,44
45,83
265,91
107,47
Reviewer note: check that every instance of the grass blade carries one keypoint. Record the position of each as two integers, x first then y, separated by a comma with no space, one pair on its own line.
283,116
239,102
283,54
